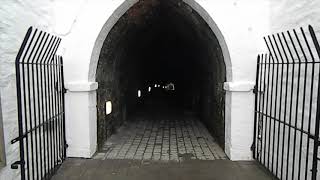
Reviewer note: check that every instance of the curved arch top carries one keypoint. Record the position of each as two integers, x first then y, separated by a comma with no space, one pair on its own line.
238,36
125,6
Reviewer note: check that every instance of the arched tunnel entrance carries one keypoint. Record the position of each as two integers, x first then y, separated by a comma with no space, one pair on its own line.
163,70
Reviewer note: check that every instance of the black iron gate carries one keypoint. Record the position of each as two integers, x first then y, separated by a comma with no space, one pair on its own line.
287,105
40,100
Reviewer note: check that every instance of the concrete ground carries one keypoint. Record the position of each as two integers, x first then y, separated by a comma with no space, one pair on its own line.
92,169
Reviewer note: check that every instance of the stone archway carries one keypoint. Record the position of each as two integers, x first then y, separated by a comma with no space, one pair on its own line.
108,39
82,55
124,7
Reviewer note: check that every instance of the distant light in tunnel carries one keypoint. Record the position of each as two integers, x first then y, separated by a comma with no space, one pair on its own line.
155,85
139,93
170,87
108,107
149,89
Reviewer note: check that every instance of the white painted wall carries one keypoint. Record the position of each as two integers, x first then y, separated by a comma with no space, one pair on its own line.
289,14
82,24
239,33
15,18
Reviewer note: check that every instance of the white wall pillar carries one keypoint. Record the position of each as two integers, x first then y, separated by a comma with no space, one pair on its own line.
239,120
81,119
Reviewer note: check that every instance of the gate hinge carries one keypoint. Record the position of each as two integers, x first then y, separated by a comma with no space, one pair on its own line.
252,146
16,164
255,89
313,170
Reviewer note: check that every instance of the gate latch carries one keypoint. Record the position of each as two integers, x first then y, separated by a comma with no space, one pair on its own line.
16,164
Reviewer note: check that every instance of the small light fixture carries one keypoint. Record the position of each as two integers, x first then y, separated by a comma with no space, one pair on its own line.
139,93
108,107
149,89
170,87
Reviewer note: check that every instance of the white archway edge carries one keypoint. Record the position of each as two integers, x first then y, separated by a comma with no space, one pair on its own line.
238,26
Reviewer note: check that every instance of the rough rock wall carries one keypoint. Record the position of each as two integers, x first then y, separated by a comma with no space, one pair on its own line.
113,81
212,76
110,89
213,94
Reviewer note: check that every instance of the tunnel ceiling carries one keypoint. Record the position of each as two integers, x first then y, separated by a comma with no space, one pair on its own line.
159,36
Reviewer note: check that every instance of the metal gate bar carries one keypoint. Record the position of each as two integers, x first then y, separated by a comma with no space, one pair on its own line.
287,105
40,101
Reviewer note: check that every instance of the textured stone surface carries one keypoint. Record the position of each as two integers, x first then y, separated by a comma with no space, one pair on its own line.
143,45
178,138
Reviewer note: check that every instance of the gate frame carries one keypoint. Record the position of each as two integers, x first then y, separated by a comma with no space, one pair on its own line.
258,115
52,119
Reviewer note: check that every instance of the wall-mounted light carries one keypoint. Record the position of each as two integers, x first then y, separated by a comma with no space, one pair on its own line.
139,93
108,107
149,89
170,87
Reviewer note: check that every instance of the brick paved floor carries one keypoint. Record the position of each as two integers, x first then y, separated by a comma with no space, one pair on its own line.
164,138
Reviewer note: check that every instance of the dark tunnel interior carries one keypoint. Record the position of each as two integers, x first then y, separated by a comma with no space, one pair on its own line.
156,43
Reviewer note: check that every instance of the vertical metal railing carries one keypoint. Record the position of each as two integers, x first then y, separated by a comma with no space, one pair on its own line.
287,105
40,102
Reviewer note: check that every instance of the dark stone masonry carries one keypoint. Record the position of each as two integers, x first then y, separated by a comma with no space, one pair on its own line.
161,42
